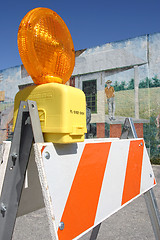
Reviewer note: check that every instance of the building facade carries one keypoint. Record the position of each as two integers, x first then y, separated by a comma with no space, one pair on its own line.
133,68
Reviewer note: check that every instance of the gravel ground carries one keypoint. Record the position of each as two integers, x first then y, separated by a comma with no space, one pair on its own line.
130,223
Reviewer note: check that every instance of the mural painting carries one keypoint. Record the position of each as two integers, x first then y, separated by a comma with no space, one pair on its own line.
10,81
119,79
137,91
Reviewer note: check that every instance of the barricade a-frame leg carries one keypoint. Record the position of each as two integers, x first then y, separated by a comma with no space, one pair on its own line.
15,172
95,232
27,126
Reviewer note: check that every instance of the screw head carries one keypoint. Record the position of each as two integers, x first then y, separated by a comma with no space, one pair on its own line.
32,105
3,207
61,225
14,156
47,155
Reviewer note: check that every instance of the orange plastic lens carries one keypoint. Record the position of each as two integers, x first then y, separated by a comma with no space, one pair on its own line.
46,47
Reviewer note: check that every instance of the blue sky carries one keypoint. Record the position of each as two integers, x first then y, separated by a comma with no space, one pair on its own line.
91,23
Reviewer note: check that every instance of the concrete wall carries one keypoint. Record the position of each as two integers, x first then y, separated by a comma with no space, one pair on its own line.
114,61
10,79
137,59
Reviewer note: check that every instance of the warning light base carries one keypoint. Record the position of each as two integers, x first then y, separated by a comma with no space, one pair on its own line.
61,108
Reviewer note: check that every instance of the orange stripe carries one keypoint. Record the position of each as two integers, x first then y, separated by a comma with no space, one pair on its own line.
133,171
43,147
80,210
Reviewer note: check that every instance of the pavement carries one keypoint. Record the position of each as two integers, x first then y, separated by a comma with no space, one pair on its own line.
130,223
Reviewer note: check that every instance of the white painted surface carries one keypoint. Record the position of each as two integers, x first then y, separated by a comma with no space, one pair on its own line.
3,161
113,182
96,61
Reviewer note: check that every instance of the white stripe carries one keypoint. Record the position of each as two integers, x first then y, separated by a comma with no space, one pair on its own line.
113,182
5,149
147,176
60,171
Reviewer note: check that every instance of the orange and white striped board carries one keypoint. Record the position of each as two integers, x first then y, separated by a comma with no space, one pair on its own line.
85,183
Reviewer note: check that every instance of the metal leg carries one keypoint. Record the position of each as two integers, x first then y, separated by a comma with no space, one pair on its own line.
35,122
27,125
15,172
153,212
129,131
95,232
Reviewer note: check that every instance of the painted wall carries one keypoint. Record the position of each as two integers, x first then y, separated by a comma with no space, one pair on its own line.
117,63
129,63
126,63
10,79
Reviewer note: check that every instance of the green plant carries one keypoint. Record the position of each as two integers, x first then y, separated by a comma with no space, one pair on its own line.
150,132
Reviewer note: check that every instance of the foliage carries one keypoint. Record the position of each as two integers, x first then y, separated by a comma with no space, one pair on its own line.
150,83
155,161
131,84
149,103
150,131
146,83
116,86
156,82
119,87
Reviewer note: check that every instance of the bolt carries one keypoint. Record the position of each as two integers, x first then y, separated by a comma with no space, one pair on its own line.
3,207
61,225
126,127
141,144
32,105
47,155
14,156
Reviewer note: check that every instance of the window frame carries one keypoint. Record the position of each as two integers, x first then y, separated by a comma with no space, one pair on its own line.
92,104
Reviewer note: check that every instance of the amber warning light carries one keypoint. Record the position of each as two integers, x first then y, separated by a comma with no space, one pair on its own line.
46,47
47,52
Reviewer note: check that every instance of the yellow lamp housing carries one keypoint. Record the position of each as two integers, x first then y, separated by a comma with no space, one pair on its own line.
62,111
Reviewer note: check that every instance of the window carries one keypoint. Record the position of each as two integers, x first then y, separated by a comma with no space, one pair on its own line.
90,90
